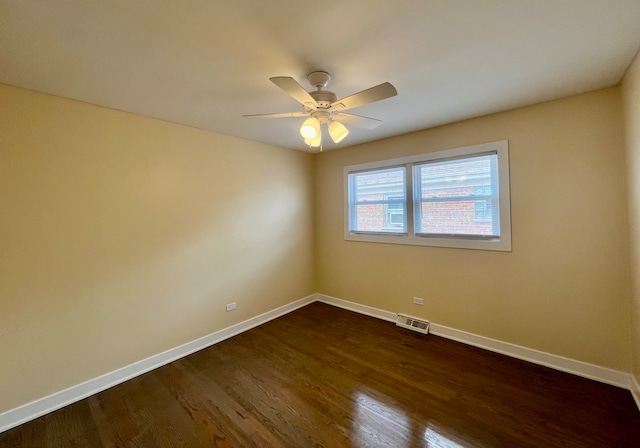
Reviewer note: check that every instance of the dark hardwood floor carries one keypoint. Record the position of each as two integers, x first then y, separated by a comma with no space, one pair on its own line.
323,376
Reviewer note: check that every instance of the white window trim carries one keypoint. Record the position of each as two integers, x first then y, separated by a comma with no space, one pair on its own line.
503,243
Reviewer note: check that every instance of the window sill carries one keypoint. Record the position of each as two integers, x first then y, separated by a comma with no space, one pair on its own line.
502,244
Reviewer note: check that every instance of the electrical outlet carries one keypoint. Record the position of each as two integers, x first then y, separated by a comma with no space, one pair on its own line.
418,301
231,306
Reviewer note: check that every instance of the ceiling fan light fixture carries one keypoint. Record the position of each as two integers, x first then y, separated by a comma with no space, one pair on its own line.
310,129
314,143
337,131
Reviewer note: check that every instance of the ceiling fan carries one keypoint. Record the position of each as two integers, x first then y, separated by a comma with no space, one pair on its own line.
323,107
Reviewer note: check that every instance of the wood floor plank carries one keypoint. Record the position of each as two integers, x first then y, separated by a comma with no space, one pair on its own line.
325,377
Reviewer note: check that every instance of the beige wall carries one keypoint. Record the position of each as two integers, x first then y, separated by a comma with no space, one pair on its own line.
123,236
631,96
565,287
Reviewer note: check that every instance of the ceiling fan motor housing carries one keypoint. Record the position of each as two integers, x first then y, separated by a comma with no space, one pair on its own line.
324,98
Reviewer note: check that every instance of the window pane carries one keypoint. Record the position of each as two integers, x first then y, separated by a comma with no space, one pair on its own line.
458,197
377,201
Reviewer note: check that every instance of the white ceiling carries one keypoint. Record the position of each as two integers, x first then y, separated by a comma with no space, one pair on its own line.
205,63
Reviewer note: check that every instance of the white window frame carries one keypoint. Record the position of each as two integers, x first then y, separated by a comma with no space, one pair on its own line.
501,243
385,201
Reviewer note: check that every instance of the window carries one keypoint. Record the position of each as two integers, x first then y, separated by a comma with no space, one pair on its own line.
452,198
378,201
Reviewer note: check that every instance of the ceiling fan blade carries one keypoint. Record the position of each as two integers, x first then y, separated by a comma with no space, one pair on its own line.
282,115
377,93
294,89
357,120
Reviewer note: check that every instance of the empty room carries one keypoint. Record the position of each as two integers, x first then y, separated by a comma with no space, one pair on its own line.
355,223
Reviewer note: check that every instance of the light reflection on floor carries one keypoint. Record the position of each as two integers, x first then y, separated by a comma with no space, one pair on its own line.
376,423
435,439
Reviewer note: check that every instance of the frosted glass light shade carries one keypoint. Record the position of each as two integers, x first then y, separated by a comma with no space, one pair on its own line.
337,131
310,129
314,143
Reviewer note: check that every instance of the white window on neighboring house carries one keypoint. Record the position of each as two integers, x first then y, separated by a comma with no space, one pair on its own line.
453,198
394,217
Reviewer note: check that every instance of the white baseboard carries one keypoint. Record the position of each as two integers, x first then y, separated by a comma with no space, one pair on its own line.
635,390
42,406
358,308
580,368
